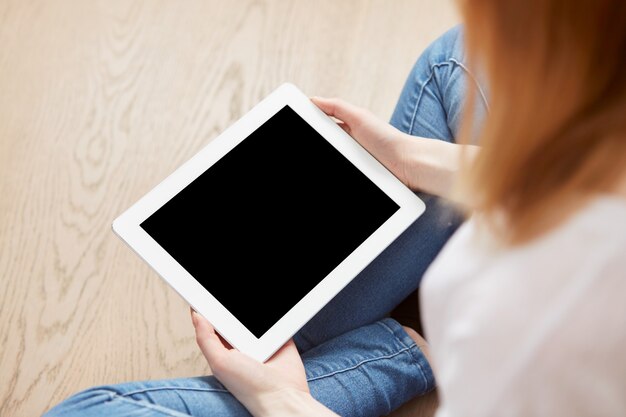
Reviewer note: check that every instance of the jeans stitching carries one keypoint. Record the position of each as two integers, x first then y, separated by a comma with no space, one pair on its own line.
393,333
419,365
483,96
419,99
358,365
416,359
449,62
154,407
172,388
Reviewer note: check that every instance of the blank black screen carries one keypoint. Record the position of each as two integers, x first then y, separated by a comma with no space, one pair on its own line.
255,241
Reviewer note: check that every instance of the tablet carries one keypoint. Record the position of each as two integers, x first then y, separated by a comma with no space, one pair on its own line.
267,223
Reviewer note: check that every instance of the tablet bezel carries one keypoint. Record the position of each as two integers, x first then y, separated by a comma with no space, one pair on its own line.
127,225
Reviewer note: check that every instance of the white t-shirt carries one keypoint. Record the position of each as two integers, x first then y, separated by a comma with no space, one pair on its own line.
535,330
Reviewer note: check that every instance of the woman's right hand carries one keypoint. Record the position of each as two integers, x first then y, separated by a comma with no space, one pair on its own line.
421,164
382,140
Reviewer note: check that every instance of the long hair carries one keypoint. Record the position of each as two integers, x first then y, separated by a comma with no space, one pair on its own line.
555,135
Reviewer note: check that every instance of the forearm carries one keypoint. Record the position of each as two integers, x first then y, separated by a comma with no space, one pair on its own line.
432,165
292,404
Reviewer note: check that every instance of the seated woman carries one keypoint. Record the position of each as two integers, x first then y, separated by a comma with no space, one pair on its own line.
524,307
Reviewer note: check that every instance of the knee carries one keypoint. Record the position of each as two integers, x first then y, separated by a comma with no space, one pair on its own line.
82,404
439,56
449,46
419,341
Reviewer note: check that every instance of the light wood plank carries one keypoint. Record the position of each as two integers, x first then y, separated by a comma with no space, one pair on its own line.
99,101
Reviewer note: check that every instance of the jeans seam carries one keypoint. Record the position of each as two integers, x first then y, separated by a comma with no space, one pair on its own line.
145,404
419,365
483,96
358,365
416,359
449,62
393,333
419,98
172,388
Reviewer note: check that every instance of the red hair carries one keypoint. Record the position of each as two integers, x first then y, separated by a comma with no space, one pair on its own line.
556,132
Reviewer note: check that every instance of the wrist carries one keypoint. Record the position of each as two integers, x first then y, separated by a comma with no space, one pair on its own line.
432,165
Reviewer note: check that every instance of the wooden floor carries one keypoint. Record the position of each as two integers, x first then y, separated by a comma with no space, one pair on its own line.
99,101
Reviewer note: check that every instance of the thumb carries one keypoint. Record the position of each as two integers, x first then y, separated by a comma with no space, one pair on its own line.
340,109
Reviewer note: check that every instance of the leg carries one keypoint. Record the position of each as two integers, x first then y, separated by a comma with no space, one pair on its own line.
367,372
430,106
197,397
431,102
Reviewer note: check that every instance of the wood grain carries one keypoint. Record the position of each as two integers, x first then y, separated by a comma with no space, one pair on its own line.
99,101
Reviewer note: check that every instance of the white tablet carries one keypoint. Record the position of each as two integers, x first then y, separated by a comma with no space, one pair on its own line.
267,223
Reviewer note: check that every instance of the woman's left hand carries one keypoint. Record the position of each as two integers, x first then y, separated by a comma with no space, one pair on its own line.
263,388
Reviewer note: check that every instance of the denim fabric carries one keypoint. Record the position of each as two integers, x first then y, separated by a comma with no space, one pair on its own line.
358,362
431,103
349,374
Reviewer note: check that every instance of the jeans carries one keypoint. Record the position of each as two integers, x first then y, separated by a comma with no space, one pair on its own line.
358,362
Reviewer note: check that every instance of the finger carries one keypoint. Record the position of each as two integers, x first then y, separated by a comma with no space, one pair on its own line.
345,127
288,348
342,110
224,342
194,313
209,342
